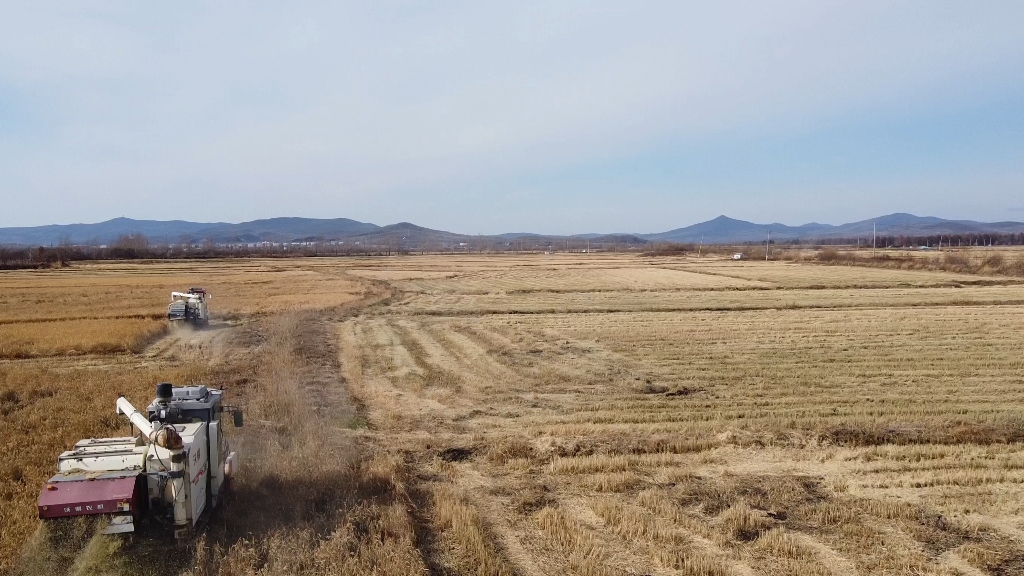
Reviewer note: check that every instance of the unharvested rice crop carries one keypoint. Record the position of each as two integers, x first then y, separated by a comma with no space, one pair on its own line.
72,339
45,408
120,290
93,336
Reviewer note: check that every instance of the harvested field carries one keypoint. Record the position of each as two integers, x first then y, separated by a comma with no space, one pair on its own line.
694,300
589,414
859,422
397,275
525,279
797,275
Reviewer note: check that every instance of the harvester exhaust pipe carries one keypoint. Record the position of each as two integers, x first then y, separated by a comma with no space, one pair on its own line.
165,437
164,392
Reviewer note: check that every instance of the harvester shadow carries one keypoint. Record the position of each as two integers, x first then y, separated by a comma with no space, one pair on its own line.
270,504
252,513
273,502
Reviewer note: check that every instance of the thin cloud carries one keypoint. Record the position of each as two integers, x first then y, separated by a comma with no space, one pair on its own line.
365,111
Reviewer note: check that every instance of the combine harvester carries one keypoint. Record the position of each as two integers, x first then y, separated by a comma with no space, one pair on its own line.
189,307
172,472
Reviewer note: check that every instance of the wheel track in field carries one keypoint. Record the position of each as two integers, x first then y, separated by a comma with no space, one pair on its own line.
211,343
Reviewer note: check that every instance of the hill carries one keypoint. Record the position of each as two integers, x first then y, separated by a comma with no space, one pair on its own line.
723,230
271,230
720,230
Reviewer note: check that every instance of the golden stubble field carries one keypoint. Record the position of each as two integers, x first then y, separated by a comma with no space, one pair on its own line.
600,415
558,414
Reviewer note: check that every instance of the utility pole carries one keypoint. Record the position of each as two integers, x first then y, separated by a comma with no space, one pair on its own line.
701,245
767,245
873,237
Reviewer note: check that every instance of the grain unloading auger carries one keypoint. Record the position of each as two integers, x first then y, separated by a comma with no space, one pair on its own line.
172,472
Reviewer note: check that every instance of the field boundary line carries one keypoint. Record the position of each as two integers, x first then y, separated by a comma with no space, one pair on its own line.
676,309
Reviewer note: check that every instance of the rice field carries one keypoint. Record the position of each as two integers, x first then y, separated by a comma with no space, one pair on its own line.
100,308
581,279
806,420
73,337
71,340
44,409
707,300
537,415
797,275
124,290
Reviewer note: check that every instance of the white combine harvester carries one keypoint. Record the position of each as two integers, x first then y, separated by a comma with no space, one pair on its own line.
172,472
189,307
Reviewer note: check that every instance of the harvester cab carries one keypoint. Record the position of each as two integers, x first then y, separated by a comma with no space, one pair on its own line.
173,471
189,307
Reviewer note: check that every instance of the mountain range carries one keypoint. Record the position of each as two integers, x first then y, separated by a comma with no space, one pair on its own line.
721,230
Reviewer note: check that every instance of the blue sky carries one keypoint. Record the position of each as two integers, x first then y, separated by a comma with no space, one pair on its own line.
529,116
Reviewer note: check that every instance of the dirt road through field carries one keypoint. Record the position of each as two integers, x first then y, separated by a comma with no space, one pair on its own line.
210,343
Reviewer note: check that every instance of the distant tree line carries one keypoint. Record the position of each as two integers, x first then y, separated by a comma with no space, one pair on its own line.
137,246
914,241
881,241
